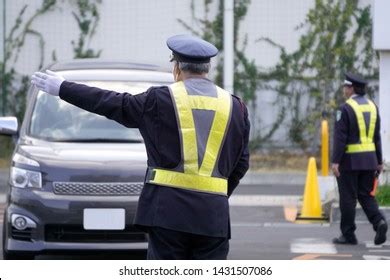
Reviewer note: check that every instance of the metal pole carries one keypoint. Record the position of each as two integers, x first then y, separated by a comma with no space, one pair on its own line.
324,148
228,45
3,70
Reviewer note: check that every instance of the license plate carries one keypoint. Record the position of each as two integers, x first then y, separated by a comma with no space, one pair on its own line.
107,218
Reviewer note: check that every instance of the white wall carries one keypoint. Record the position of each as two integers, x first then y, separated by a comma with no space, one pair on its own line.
381,21
1,30
274,19
381,41
384,98
128,29
137,30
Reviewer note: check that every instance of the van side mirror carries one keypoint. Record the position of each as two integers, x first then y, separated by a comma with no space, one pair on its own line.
9,126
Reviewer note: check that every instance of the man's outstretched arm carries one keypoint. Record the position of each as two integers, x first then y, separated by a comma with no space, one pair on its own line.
124,108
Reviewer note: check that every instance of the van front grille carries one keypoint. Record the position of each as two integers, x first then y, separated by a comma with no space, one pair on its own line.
76,233
98,189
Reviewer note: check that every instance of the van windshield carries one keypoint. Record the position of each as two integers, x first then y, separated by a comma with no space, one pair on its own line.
56,120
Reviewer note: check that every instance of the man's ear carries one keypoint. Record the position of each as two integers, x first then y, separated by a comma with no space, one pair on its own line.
176,71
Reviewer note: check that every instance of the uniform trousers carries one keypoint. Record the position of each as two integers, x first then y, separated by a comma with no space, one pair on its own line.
356,186
165,244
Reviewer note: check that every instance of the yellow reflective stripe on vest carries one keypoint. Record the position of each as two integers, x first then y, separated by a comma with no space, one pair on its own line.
217,132
360,148
366,138
195,177
190,181
187,127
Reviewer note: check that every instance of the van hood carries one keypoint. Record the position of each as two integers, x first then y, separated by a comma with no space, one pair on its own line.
88,162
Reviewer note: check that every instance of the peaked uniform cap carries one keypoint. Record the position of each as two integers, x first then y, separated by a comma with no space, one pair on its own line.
354,79
187,48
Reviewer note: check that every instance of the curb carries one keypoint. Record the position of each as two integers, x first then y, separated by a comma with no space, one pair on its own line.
264,200
270,178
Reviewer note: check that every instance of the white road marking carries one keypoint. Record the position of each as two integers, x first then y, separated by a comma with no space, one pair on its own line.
297,225
264,200
248,225
379,251
370,244
281,225
312,246
375,257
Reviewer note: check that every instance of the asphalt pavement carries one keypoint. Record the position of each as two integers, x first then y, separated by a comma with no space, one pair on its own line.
262,233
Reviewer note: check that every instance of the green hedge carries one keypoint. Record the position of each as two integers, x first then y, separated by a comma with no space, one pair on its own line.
6,148
383,195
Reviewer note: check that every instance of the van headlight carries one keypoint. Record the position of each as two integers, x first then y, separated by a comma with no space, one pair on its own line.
24,178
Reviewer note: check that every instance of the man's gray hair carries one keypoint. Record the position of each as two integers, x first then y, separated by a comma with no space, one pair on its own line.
195,68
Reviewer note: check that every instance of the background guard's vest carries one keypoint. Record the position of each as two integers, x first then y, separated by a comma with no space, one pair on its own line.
366,135
191,174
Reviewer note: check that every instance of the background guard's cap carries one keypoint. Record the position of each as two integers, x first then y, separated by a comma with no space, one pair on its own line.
187,48
354,80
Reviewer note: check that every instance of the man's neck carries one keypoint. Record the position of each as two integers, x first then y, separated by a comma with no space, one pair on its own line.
192,76
351,96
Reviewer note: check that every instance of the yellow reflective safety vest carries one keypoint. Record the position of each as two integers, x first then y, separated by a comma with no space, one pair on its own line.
366,135
192,174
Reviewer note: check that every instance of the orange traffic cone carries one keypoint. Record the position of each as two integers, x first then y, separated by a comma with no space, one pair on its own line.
311,208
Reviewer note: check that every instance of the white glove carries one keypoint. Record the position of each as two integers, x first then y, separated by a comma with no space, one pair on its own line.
49,82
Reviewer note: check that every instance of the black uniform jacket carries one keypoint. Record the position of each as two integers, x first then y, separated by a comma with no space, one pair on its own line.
152,112
346,131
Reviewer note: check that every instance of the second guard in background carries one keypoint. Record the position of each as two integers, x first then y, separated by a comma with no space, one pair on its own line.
357,158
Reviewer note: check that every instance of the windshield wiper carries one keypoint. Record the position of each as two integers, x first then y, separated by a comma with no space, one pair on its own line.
99,140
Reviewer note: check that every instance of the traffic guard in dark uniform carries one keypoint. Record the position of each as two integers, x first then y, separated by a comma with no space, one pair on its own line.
196,137
357,157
